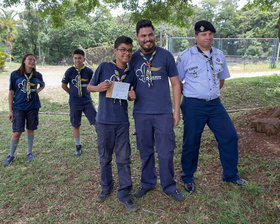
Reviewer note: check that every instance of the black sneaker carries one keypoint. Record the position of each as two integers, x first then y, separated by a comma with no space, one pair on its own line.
129,205
240,182
78,151
177,195
103,195
141,192
189,187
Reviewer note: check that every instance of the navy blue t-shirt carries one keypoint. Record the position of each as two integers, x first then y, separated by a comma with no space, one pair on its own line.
155,99
71,77
111,111
18,85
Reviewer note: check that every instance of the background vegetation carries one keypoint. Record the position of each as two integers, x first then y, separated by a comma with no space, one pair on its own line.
53,42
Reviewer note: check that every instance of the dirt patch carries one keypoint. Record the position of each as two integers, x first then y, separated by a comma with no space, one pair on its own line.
254,142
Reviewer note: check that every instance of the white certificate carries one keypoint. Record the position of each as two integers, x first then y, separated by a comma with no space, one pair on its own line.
118,90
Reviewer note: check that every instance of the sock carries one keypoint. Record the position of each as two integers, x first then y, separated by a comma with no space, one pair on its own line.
14,144
30,139
77,141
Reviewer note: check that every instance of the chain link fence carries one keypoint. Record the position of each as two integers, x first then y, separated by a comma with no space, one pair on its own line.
249,55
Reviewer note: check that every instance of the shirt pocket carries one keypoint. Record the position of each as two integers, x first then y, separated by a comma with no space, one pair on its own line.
194,71
218,67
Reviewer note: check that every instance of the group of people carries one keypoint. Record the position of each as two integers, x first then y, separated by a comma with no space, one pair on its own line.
198,74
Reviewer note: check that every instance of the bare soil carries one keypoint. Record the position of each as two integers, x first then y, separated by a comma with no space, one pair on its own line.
251,141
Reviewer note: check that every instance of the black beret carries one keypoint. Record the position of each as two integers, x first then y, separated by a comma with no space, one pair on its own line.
203,25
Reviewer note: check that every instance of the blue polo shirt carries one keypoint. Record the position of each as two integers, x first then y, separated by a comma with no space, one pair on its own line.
111,111
71,77
196,74
18,85
155,99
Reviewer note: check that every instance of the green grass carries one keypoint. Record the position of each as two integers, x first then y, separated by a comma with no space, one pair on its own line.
251,68
61,188
251,92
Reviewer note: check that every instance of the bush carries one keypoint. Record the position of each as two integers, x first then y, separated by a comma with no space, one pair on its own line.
3,57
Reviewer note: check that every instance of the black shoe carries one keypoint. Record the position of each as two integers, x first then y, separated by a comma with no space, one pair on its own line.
177,195
129,205
189,187
141,192
78,151
103,195
240,182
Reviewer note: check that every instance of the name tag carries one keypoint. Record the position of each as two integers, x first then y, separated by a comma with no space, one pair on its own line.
192,68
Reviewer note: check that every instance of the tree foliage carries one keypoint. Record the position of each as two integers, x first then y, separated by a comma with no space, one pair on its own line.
101,28
172,11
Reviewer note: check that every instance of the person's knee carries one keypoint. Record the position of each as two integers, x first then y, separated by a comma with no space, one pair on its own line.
16,135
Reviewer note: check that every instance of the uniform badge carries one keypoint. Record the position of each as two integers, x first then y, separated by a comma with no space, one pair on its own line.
202,28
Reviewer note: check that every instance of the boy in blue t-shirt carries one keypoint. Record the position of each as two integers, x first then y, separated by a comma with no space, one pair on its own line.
78,77
112,124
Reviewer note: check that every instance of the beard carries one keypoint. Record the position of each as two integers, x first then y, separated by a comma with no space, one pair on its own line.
148,49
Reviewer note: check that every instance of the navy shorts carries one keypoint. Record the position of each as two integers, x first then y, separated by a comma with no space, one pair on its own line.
76,114
30,116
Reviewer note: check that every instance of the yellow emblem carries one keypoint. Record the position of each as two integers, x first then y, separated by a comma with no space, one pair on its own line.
154,69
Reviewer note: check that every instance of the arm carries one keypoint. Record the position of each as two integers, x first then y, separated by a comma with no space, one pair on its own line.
101,87
222,83
40,89
176,90
65,87
11,100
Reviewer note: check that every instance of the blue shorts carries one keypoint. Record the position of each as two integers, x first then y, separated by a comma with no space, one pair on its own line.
30,116
76,114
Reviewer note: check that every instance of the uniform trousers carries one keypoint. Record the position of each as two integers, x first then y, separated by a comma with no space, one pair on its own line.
110,138
156,130
197,113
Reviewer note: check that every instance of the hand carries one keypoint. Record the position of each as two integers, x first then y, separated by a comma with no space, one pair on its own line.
103,86
11,116
176,119
131,94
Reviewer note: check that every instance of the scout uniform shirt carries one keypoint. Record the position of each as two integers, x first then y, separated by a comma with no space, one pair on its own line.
199,79
18,85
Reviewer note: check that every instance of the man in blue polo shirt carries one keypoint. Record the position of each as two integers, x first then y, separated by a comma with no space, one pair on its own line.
78,77
202,71
154,121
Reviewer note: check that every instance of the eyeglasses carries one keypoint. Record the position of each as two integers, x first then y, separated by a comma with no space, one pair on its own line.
124,50
30,59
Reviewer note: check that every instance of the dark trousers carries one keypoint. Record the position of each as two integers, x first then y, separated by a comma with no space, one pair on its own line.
156,130
197,113
110,138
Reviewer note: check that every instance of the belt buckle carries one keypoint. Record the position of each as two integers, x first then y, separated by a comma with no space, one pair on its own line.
207,100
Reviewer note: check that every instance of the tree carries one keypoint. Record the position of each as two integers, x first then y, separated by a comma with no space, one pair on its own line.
7,27
172,11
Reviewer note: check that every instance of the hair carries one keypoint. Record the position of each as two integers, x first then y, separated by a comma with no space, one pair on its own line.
21,69
122,40
79,51
143,23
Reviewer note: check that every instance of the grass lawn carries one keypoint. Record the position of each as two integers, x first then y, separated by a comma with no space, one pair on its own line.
61,188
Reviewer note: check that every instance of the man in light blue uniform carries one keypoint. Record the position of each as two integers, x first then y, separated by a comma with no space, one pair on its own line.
202,71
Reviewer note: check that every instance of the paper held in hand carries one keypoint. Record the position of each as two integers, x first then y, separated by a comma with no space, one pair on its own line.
118,90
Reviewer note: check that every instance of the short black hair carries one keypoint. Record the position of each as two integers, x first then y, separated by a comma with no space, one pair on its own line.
122,40
79,51
143,23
